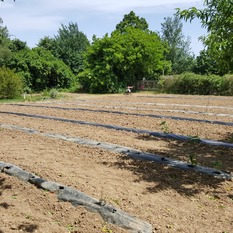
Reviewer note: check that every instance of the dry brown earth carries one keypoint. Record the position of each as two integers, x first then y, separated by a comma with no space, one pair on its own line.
171,200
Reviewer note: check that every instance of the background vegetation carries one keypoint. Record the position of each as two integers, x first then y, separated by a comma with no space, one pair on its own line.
131,53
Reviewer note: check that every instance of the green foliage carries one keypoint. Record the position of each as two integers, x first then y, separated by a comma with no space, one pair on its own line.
229,84
179,52
206,64
217,19
122,59
53,93
41,70
69,46
17,45
131,20
190,83
10,84
5,53
193,160
164,127
4,33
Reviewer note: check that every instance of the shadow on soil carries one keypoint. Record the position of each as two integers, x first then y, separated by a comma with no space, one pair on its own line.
27,227
217,157
3,186
163,177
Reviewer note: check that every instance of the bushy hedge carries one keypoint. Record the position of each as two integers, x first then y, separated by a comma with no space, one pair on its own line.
41,70
194,84
11,84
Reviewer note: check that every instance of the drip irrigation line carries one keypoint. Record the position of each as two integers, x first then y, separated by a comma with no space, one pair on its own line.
108,212
130,152
132,114
133,130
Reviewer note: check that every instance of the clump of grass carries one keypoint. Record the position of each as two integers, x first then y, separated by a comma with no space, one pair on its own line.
53,93
193,160
106,228
217,165
194,139
164,127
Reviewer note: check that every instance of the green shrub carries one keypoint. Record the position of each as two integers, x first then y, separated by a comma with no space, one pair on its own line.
41,70
229,84
10,84
53,93
194,84
166,83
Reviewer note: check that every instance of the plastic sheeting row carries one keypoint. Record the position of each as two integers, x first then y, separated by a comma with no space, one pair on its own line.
108,212
132,153
139,131
132,114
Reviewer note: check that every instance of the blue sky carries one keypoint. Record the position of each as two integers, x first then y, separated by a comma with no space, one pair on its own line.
31,20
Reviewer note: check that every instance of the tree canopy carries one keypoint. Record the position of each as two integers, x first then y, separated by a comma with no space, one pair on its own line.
179,51
5,52
122,59
41,70
132,20
69,46
217,18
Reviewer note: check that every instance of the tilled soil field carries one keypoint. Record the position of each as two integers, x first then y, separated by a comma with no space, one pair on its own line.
170,199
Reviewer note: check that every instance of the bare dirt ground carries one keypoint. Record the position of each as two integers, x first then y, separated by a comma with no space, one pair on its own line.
171,200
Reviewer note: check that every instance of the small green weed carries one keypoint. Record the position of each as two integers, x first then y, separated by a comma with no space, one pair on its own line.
194,139
53,93
164,127
71,228
217,165
193,160
14,196
106,228
230,138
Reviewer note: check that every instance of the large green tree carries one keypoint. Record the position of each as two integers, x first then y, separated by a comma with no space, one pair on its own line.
179,51
132,20
206,64
217,18
41,70
5,52
122,59
69,46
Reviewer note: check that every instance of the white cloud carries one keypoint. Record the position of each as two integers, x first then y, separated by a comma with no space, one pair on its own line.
31,19
107,6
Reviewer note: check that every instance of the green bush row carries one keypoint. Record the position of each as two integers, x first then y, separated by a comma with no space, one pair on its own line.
194,84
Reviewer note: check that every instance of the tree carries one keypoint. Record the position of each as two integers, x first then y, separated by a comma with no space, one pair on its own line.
131,20
5,53
216,17
179,51
205,64
17,45
69,46
122,59
41,70
48,44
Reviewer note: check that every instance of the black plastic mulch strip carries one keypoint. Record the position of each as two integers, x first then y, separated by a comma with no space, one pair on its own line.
130,152
132,114
138,131
77,198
